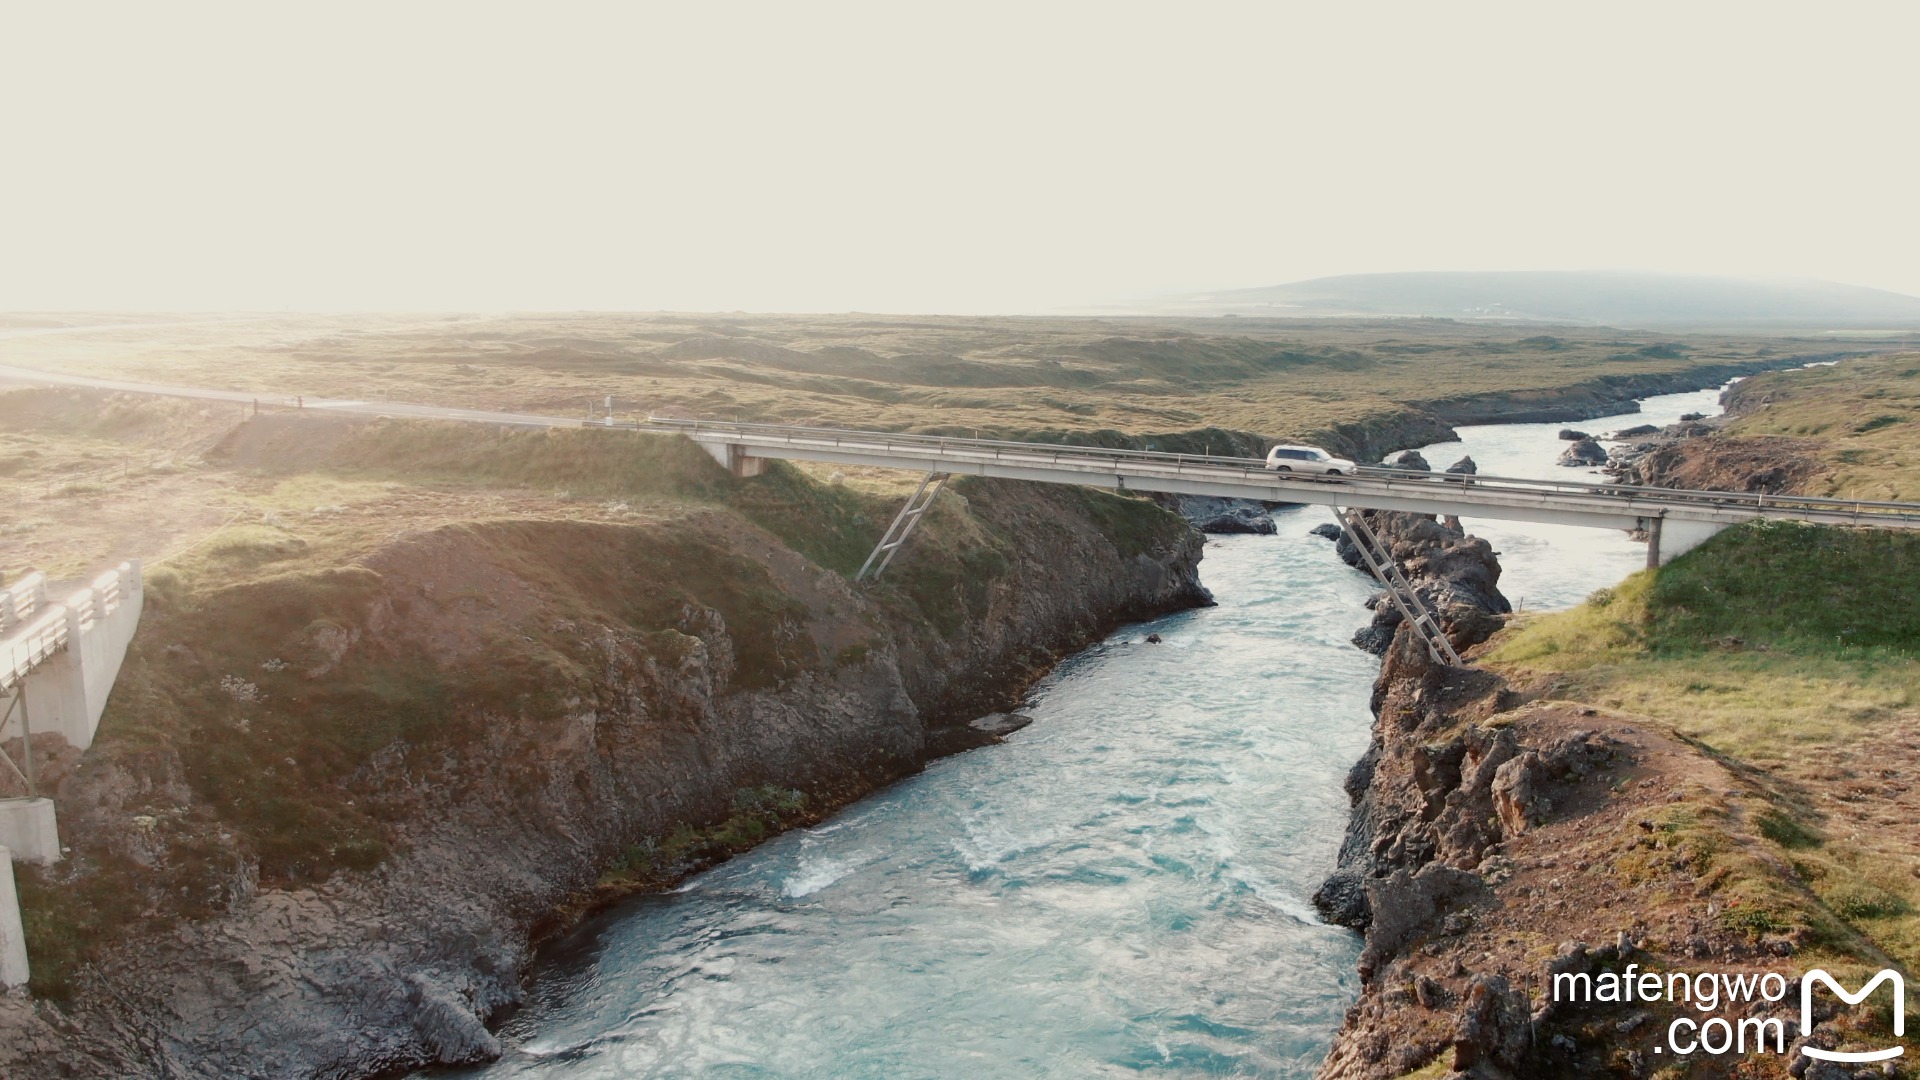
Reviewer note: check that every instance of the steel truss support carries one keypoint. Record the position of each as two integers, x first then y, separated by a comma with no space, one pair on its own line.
19,702
1412,608
903,525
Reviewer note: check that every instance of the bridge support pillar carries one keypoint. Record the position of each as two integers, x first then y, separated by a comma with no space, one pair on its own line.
736,459
27,829
13,940
1668,540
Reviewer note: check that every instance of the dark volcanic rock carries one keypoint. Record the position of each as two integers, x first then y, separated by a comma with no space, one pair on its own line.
1222,516
1635,432
1692,416
1570,435
1329,530
1456,574
1584,453
1001,723
1255,523
1464,467
1409,459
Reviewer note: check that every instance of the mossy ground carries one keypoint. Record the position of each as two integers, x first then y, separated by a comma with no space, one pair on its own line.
1787,653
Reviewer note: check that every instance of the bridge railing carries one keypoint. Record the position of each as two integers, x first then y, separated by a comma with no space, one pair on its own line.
22,600
29,646
1375,477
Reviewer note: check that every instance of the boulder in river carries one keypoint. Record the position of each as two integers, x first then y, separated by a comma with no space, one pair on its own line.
1464,467
1692,416
1584,453
1329,530
1409,459
1635,432
1567,434
1000,724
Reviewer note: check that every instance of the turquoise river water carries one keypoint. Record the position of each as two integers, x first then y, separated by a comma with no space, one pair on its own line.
1120,889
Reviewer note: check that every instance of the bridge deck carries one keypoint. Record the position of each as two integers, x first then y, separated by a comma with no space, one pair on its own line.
1553,501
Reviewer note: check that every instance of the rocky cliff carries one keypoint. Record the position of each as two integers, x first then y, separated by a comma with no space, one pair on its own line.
331,809
1455,573
1501,837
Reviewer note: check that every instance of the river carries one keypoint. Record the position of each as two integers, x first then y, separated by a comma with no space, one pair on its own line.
1120,889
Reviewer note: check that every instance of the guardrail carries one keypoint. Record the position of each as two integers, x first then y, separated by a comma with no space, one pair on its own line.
22,600
30,647
1255,473
37,637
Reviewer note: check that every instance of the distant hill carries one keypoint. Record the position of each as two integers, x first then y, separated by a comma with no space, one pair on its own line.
1610,298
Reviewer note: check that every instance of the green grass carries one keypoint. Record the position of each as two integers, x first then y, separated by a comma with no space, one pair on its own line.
1769,639
1804,588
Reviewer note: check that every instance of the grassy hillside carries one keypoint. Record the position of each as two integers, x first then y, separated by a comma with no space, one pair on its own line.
1792,653
1020,377
389,594
1862,417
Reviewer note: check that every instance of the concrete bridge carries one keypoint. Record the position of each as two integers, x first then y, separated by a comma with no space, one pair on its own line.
1674,520
58,663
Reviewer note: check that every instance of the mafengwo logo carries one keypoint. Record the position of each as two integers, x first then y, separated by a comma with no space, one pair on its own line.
1707,992
1807,982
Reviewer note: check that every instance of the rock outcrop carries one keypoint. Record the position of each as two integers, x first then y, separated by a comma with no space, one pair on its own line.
1464,467
584,689
1221,516
1584,453
1457,575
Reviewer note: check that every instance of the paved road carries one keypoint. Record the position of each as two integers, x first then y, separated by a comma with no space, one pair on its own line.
36,377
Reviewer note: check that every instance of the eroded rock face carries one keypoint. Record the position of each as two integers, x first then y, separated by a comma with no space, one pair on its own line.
645,728
1455,573
1756,463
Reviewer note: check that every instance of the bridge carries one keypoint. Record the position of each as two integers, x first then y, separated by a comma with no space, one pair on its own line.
58,662
1674,520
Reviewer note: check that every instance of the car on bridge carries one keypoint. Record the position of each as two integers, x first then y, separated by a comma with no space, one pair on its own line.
1308,459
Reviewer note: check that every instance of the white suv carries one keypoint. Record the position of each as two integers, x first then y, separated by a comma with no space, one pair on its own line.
1308,459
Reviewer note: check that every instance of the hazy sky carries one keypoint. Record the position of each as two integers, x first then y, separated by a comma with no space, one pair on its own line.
908,156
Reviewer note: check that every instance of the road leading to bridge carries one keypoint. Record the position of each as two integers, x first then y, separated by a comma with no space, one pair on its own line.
1675,519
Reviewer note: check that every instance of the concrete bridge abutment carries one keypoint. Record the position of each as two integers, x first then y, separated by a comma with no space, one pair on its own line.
1668,539
735,458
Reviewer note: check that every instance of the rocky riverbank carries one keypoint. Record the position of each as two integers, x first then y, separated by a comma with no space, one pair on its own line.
477,724
1605,396
1502,836
1697,454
